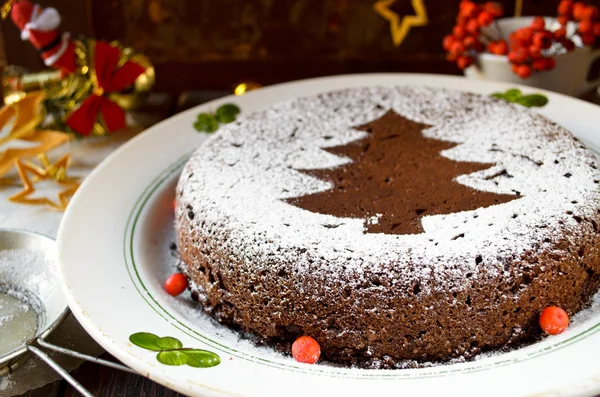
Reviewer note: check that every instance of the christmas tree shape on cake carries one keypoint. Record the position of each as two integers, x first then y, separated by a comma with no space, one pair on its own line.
396,177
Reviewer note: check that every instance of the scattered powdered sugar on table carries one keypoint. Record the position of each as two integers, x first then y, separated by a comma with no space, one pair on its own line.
236,182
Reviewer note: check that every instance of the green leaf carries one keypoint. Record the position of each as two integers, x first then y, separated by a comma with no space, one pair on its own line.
533,100
227,113
498,95
145,340
513,95
168,343
202,358
173,358
206,123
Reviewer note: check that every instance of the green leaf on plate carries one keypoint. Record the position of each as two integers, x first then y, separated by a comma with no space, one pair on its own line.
513,95
145,340
227,113
168,343
174,358
498,95
206,122
533,100
198,358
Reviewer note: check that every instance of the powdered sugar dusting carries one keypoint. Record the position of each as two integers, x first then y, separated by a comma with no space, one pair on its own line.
236,181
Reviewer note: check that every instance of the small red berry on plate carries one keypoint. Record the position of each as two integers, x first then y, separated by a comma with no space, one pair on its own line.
538,23
306,350
464,62
524,71
176,283
550,63
596,29
554,320
565,7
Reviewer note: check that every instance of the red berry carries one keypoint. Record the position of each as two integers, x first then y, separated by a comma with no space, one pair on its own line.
469,42
485,18
502,47
515,67
590,12
539,63
447,42
585,26
550,63
176,284
568,44
596,29
543,40
498,47
578,10
306,350
459,32
467,9
464,62
451,57
554,320
587,38
524,35
535,51
473,26
494,8
560,34
519,55
565,7
524,71
538,23
456,48
563,20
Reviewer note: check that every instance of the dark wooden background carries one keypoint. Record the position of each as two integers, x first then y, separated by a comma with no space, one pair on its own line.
213,44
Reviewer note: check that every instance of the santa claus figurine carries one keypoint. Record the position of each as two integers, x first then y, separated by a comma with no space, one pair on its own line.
40,26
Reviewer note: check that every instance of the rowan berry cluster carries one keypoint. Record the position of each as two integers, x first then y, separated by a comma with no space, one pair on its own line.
465,43
529,49
587,17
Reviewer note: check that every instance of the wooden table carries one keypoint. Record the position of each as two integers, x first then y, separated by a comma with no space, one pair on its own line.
106,382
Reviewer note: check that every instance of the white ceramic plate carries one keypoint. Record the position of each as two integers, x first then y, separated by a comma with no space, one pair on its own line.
114,249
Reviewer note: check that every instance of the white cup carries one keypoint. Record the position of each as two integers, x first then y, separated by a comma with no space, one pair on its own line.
568,77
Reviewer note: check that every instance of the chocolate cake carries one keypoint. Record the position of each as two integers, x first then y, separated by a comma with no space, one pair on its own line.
391,223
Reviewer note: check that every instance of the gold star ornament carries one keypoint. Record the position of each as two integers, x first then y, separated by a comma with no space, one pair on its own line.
46,171
400,26
20,120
